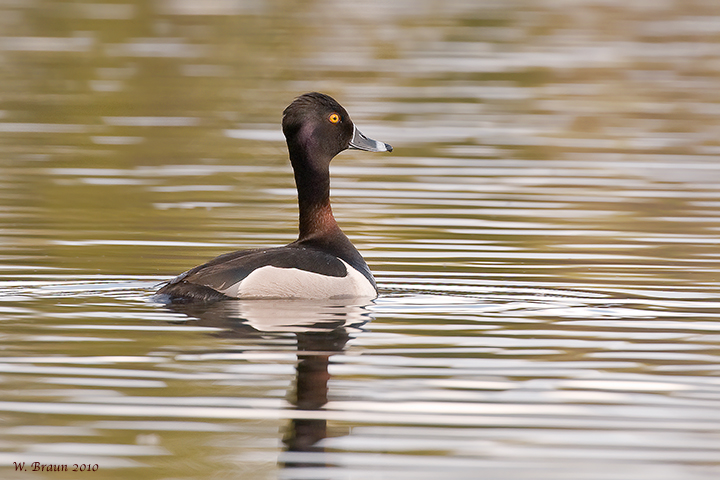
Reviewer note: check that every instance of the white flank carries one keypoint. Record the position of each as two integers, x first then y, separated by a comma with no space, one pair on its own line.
274,282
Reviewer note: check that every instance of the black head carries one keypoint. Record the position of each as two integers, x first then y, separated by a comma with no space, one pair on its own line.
317,126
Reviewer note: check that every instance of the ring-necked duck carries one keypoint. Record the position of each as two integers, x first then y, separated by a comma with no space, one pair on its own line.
322,262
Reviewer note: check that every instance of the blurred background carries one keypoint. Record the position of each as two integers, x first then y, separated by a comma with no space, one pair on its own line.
545,237
112,113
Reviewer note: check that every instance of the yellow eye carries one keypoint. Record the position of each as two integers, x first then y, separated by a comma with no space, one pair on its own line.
334,118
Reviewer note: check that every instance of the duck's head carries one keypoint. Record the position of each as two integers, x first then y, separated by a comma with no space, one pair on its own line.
317,128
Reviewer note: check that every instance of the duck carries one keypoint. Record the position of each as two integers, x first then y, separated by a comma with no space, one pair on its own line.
322,263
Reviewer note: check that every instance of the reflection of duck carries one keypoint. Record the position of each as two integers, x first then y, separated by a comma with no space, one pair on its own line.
239,317
322,262
311,392
322,329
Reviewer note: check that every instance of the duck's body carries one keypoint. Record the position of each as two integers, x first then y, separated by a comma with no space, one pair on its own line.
322,262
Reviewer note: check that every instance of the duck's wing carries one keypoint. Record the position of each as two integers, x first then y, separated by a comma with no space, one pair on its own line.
223,276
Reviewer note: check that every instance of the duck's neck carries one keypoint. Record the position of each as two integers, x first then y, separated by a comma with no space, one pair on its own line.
313,186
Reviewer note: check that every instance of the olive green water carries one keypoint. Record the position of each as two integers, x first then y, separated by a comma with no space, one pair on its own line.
545,237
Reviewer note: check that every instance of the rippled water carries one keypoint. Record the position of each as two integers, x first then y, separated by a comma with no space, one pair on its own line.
545,237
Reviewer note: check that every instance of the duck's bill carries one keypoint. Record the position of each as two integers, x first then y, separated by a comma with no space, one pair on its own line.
361,142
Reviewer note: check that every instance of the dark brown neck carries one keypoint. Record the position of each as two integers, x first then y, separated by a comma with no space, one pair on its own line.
313,186
318,228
